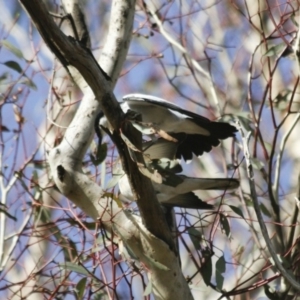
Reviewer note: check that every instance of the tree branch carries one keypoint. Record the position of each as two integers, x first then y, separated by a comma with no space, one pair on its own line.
66,159
288,276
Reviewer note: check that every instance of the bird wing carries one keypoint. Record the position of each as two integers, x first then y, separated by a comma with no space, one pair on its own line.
220,130
190,184
160,149
187,200
131,98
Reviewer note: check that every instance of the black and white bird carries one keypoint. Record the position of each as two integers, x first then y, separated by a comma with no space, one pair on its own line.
194,133
176,190
181,195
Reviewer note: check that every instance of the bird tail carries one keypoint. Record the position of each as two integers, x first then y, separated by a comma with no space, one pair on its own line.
187,200
193,184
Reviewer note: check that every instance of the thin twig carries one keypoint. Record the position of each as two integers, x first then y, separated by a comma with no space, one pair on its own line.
206,78
260,219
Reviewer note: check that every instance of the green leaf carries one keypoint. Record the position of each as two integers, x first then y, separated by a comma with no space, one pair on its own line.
100,155
101,152
90,225
219,281
100,296
29,83
225,225
264,210
248,200
16,51
245,120
80,288
4,76
282,100
111,195
257,164
148,289
221,264
294,19
237,210
206,269
13,65
157,264
74,268
275,50
220,269
26,81
196,237
72,249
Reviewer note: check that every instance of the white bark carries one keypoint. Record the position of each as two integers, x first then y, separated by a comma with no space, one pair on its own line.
66,159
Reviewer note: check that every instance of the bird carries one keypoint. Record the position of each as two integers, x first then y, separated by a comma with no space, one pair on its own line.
191,133
182,194
175,190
